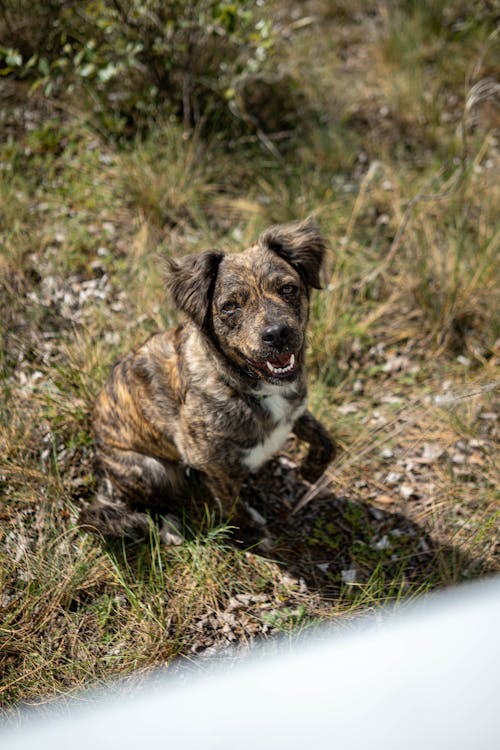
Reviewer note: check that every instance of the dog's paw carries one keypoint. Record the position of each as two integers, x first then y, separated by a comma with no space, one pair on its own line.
311,472
266,543
170,533
254,515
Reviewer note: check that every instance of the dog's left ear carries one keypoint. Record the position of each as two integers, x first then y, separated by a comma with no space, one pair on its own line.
300,244
190,282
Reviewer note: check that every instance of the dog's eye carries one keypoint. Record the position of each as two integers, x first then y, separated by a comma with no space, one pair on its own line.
230,307
288,289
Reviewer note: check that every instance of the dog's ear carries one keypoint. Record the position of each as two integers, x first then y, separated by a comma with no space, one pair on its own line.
300,244
190,282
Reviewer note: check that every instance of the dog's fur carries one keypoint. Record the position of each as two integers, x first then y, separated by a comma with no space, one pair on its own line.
202,395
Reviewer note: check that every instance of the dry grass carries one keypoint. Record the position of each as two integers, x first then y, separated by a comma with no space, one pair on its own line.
403,349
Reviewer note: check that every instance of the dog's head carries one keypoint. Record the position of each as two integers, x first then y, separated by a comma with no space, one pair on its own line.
254,305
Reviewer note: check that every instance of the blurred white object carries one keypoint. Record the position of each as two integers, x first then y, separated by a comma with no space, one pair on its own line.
426,676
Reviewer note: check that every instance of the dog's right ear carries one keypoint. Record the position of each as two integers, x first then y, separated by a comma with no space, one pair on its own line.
190,282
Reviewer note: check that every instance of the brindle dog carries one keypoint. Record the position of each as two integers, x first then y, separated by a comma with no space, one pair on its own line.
220,393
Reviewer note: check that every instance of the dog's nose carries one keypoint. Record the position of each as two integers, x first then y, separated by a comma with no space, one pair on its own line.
277,335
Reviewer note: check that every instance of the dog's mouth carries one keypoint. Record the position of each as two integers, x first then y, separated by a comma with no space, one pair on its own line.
281,366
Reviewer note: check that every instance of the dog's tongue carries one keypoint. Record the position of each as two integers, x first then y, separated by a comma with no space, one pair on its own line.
282,360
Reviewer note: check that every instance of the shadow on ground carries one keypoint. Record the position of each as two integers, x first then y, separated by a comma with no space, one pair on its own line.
333,542
336,540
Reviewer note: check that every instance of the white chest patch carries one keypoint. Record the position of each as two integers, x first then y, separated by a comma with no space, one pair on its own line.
278,406
285,417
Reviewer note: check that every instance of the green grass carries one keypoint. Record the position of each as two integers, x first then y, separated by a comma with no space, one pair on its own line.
403,346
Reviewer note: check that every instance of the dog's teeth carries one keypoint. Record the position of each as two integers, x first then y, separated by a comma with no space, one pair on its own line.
281,370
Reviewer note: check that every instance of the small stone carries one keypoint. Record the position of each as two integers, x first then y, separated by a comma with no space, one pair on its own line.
348,408
406,491
112,337
382,543
109,228
358,387
395,364
475,443
444,399
422,545
390,399
348,576
393,478
431,452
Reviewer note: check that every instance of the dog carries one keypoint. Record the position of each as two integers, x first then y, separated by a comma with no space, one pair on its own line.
218,394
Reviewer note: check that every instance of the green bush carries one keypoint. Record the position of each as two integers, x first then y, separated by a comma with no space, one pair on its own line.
137,59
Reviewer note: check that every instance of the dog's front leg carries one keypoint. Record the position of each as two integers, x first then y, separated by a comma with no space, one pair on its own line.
225,491
321,446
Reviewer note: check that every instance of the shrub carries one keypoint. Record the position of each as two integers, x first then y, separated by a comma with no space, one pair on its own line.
137,59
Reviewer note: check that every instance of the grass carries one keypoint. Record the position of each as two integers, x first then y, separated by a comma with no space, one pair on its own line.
403,348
